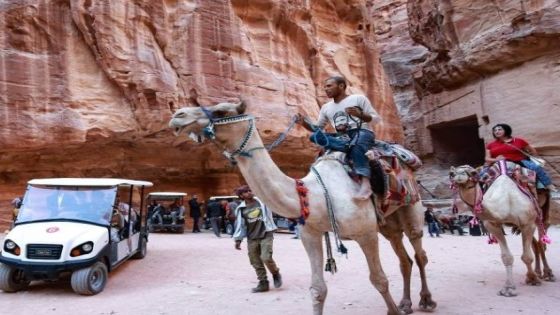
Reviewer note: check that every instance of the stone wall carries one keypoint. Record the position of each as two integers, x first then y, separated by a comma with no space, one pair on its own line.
453,61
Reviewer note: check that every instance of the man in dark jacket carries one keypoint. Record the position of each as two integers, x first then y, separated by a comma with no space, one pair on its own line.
215,212
195,213
430,218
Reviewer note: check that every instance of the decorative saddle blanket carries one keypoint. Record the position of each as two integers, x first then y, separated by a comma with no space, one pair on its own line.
524,177
392,179
401,188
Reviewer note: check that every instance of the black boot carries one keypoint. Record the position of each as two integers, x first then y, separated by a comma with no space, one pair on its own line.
261,287
277,280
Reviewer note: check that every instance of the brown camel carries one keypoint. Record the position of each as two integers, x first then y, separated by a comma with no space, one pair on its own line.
502,203
356,220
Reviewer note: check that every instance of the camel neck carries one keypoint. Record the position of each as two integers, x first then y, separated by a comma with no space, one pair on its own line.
274,188
468,194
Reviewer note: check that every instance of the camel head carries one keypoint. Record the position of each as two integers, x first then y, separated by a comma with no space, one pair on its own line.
193,120
463,174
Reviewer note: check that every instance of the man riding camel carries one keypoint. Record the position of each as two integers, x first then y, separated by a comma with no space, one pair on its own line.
352,116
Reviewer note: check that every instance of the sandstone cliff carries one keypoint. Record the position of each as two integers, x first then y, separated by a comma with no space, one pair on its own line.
87,87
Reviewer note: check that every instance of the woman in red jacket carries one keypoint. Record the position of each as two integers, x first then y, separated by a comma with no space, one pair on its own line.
509,148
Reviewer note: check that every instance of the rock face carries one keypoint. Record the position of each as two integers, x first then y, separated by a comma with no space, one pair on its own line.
460,67
87,87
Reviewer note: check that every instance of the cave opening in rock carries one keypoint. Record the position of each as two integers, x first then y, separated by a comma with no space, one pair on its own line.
457,142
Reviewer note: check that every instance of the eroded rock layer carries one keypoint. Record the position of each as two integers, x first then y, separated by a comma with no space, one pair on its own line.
87,87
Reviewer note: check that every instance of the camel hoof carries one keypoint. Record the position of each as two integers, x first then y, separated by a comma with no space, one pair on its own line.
507,292
548,276
427,305
534,281
406,307
399,312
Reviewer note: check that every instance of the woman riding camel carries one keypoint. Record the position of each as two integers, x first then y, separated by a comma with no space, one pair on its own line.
516,150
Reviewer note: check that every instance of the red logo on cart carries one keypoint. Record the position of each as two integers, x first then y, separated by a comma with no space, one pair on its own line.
53,229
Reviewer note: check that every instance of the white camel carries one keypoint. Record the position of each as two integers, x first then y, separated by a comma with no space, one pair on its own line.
502,203
357,221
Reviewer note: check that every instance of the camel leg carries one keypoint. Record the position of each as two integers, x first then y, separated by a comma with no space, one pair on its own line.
540,254
426,302
547,271
537,250
406,269
314,247
527,233
507,258
413,220
370,246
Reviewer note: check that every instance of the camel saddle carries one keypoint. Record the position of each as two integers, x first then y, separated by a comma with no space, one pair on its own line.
392,180
524,177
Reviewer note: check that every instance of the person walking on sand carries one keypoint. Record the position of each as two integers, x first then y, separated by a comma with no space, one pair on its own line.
254,221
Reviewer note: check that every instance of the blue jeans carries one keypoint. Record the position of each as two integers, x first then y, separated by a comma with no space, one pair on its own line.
433,228
542,176
361,140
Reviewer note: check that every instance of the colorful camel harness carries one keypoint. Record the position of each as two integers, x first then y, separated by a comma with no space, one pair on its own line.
502,170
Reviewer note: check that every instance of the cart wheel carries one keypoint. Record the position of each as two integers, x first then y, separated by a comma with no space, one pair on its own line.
11,279
90,280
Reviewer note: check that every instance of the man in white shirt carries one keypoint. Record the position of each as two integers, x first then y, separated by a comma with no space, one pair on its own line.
352,116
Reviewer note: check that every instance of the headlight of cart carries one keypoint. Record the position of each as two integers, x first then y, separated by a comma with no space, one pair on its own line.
82,249
11,247
87,247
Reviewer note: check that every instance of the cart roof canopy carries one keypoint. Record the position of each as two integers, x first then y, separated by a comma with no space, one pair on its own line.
169,194
89,182
223,197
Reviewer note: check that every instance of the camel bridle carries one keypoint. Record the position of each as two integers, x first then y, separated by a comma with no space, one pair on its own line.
477,206
210,132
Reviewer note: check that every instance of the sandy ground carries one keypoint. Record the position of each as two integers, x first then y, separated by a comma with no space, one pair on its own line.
201,274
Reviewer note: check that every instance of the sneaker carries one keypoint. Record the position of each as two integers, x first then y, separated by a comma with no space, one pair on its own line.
277,280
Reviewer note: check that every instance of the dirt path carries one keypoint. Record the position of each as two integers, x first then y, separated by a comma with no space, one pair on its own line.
201,274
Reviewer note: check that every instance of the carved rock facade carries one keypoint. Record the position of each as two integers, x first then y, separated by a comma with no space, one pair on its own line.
460,67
